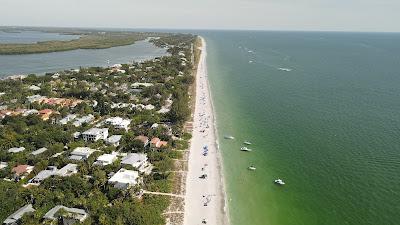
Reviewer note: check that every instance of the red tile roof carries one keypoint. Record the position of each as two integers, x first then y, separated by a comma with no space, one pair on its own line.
19,170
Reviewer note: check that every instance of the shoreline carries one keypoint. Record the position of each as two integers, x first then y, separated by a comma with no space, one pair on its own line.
220,159
205,198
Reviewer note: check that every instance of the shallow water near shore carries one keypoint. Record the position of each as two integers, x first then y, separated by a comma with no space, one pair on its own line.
322,112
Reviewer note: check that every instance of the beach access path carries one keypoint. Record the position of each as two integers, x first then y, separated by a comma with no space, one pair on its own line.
205,197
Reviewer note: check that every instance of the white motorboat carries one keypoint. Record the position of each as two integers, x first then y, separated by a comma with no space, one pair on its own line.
285,69
247,143
252,168
229,137
246,149
279,181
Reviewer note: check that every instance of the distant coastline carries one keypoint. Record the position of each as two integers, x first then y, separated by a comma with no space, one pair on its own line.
87,40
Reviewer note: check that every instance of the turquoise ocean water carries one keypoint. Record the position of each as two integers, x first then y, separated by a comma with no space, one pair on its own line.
329,127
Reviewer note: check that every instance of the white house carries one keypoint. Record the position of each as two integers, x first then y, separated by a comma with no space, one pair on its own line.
95,134
138,161
67,170
137,85
34,88
105,159
3,165
30,112
17,215
55,76
68,118
124,178
135,159
114,140
118,122
85,119
81,153
39,151
16,150
34,98
77,214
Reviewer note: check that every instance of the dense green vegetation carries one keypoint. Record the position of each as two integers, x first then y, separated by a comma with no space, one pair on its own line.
89,188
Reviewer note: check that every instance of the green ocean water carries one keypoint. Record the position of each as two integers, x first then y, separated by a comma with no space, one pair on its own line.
330,127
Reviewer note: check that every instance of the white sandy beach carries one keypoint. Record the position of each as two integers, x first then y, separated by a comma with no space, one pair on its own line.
205,197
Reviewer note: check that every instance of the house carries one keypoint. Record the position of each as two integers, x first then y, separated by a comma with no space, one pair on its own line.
14,218
46,113
117,66
68,118
42,175
137,85
95,134
124,179
118,122
35,98
105,159
76,135
115,70
138,161
57,154
149,107
34,88
16,150
39,151
85,119
21,170
135,159
146,107
114,140
60,102
157,143
67,170
167,106
81,153
30,112
143,139
69,214
55,76
3,165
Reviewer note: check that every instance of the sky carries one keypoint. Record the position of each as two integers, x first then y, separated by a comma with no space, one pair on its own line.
322,15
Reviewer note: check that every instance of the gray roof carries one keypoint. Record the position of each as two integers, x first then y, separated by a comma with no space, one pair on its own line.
70,168
44,174
133,158
114,138
82,151
50,214
15,150
39,151
95,131
18,214
76,157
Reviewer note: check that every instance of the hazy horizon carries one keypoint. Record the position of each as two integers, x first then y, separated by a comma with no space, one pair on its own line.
296,15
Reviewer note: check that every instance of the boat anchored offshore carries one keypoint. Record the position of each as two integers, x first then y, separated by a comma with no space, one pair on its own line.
246,149
252,168
229,137
279,181
247,143
284,69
